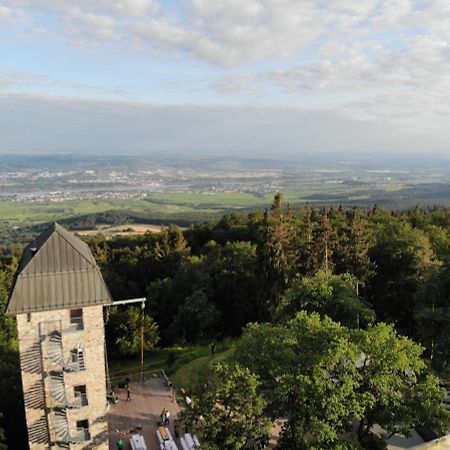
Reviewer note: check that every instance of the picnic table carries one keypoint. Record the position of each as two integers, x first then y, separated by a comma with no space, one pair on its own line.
137,442
189,442
165,439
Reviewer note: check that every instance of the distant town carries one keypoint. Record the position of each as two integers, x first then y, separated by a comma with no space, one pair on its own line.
44,179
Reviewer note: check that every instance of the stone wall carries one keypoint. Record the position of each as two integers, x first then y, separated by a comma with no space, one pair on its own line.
35,361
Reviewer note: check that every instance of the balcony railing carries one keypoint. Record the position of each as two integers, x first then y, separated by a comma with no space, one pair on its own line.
80,400
74,366
82,435
68,325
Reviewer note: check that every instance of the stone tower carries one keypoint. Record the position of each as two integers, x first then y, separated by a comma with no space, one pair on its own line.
58,298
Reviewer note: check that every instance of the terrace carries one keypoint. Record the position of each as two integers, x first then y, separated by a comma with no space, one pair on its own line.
140,415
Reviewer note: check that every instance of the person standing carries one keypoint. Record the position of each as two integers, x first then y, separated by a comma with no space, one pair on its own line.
128,395
167,417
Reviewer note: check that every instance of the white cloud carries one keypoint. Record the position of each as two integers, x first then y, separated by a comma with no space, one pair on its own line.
19,81
224,32
5,13
385,59
231,32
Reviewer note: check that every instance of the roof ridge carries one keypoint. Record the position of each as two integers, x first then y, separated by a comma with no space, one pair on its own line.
34,248
80,276
57,229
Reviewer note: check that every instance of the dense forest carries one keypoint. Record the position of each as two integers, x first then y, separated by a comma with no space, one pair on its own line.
357,277
358,267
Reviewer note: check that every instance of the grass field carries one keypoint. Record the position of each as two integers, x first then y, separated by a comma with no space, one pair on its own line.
34,213
220,199
158,205
128,229
198,371
194,207
186,366
31,213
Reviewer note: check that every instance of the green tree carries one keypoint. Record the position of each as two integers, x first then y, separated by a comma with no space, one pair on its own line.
11,403
402,256
328,377
267,350
305,240
323,245
327,294
432,315
318,391
3,445
234,285
356,258
12,417
124,330
394,390
277,251
195,319
440,241
311,383
8,332
168,294
171,250
229,414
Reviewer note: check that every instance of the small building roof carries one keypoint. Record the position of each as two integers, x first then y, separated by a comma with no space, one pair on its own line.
57,271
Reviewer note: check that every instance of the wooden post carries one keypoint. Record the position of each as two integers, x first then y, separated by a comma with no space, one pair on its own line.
142,340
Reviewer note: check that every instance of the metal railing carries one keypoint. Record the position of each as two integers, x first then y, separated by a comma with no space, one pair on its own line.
80,399
68,325
82,435
75,366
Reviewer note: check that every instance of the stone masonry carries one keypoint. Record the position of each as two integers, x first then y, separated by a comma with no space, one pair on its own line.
38,366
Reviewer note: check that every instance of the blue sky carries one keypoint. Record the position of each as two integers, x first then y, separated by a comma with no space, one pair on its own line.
366,76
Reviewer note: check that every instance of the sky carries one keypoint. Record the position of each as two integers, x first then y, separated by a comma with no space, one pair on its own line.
259,77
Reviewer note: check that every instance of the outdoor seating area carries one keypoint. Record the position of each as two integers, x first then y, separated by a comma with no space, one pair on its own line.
165,439
137,421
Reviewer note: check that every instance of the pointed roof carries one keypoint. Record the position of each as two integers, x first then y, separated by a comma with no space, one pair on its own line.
57,271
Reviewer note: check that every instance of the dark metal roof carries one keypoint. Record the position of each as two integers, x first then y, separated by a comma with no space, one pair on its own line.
57,271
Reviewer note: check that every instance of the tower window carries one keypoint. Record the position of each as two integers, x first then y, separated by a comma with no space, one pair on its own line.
80,395
83,430
76,319
77,359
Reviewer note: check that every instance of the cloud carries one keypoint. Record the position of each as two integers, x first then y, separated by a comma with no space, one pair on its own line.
15,80
380,61
74,125
223,32
5,13
232,32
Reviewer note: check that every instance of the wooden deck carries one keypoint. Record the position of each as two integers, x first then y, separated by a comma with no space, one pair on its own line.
148,399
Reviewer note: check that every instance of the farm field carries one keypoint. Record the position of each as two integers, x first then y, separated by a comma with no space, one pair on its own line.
128,229
33,213
185,208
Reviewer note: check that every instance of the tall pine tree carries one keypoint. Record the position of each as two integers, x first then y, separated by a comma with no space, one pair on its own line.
277,251
356,256
323,245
